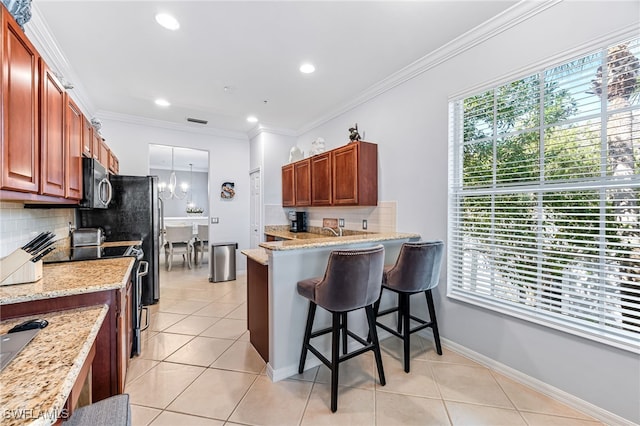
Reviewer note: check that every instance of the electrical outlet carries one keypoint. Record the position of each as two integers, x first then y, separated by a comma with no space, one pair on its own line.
341,223
215,220
364,223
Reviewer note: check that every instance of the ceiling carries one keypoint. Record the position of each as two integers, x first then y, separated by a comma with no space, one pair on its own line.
177,158
123,60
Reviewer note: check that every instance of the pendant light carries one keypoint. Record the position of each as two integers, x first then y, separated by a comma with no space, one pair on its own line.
171,190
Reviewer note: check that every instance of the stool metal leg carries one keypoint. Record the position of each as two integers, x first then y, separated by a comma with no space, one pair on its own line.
344,333
307,336
400,311
373,333
406,333
335,360
432,317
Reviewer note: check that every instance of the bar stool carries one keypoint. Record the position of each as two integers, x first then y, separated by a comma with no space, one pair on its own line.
352,280
416,270
113,411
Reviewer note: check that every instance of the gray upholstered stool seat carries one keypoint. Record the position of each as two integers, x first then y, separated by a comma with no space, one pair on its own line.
352,280
417,270
114,411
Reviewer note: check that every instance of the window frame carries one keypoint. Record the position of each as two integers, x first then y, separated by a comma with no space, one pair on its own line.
456,192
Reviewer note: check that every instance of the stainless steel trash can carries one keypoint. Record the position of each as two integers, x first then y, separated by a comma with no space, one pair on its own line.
222,261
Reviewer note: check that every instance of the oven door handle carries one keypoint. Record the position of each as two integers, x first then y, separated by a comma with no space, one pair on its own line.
143,268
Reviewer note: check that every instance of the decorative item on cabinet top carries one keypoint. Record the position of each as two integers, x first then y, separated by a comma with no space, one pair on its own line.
317,147
295,154
20,10
227,191
354,136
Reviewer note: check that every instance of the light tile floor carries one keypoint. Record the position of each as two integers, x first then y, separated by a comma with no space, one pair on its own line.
198,368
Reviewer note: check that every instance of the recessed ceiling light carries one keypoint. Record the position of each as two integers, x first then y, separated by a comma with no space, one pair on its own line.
252,119
162,102
167,21
307,68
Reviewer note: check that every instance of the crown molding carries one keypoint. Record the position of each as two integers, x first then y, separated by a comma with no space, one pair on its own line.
39,34
509,18
271,130
167,125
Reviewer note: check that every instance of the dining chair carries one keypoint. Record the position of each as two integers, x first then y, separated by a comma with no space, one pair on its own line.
202,242
179,240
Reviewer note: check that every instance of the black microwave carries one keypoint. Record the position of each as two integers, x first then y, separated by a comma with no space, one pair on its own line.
96,188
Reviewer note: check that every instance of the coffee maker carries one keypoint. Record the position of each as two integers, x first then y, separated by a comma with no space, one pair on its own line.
298,221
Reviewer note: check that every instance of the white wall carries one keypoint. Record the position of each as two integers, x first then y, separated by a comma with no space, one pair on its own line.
409,123
228,161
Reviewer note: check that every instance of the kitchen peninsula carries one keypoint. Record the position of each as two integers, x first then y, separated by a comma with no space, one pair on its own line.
286,262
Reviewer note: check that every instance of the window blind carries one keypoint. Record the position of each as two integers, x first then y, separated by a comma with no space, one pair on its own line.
544,181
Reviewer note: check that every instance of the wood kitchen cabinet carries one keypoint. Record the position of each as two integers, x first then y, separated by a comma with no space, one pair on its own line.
345,176
302,176
296,184
288,186
52,134
258,307
114,163
74,142
20,165
96,143
321,190
87,138
105,152
355,174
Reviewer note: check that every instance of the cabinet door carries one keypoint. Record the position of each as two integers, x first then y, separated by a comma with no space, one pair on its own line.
302,173
95,144
345,175
288,186
75,125
105,153
87,138
113,163
321,180
52,133
20,145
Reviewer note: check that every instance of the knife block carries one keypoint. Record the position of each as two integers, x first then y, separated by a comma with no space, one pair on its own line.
27,273
17,268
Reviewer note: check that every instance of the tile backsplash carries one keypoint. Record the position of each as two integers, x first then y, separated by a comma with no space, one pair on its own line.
381,218
19,225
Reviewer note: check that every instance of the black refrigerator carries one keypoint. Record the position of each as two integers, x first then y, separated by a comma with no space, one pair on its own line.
133,214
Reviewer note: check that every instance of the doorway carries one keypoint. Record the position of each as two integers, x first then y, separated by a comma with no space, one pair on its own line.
256,232
183,187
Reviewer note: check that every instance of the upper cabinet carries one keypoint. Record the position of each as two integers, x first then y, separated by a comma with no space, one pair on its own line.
345,176
288,186
87,138
43,134
20,165
321,191
52,143
74,141
355,174
302,173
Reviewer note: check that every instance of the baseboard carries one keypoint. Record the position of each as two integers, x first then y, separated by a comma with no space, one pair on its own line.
540,386
291,370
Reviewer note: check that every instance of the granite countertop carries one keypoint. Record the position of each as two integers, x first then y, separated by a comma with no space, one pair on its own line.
37,383
324,241
259,255
70,278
